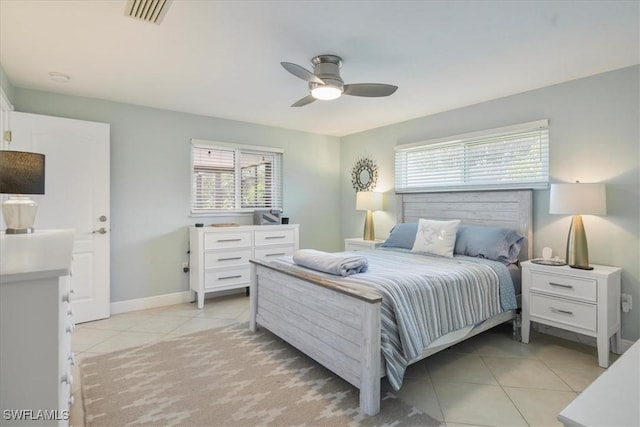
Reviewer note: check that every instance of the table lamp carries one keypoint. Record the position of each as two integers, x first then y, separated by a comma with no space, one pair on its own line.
368,201
20,173
578,199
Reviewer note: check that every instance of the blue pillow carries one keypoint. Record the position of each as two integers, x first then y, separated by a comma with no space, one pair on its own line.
402,236
498,244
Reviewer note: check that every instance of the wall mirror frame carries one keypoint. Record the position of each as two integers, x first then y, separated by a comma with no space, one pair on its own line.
364,174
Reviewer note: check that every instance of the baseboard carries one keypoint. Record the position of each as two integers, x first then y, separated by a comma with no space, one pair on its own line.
571,336
149,302
161,301
625,345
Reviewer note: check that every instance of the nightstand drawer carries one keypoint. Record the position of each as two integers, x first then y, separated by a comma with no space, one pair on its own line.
227,258
359,244
352,246
564,286
274,237
576,314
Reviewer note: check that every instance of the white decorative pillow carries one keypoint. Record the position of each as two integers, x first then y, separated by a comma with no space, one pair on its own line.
436,237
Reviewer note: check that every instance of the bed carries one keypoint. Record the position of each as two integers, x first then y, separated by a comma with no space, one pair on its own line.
338,322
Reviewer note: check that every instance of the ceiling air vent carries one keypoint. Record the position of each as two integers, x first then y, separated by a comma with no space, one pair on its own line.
147,10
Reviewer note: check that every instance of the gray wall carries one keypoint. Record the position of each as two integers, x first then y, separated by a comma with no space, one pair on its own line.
150,184
6,86
594,137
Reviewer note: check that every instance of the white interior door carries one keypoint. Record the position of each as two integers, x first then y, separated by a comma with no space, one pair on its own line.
76,196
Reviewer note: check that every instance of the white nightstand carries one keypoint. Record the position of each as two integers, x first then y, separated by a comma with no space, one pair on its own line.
582,301
359,244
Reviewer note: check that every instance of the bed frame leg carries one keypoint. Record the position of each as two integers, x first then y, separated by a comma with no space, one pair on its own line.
517,326
253,299
370,364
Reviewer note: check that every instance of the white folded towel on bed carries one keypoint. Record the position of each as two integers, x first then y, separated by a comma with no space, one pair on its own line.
340,264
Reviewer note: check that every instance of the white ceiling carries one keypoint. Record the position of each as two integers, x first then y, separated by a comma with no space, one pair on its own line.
222,58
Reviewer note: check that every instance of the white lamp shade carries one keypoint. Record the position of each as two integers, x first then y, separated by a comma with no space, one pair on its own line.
578,199
368,201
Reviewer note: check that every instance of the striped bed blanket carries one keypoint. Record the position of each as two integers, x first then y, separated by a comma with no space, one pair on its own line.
425,297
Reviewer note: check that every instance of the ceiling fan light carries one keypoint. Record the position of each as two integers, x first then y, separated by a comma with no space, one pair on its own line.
326,93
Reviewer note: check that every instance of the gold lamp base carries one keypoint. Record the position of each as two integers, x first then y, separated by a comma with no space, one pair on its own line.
369,233
577,250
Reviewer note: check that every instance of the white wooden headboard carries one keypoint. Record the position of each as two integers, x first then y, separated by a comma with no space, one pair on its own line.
510,209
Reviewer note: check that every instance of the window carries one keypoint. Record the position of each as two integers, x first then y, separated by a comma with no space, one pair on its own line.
240,178
504,158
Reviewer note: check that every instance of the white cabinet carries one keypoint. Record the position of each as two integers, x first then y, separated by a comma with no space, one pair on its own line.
582,301
359,244
219,256
35,328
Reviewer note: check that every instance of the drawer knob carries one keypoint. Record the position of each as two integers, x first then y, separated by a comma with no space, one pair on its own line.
560,285
233,258
71,400
67,379
66,298
72,359
278,254
228,240
71,328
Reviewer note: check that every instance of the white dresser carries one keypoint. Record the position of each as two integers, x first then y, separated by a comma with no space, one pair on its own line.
35,328
219,256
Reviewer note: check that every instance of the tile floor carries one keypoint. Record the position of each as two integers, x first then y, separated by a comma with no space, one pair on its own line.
488,380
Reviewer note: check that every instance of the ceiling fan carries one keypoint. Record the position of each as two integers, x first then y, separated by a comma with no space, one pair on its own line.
325,82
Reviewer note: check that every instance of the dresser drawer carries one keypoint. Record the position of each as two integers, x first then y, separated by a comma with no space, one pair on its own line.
231,239
227,258
564,286
274,237
227,278
267,253
571,313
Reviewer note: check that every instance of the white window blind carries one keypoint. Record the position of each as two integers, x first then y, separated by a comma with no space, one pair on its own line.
504,158
227,177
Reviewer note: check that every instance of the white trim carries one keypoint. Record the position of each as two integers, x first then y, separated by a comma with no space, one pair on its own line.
161,301
510,157
538,124
5,104
205,143
625,345
581,339
236,153
150,302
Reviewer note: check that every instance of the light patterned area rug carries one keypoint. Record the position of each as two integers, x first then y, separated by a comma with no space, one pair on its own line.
226,377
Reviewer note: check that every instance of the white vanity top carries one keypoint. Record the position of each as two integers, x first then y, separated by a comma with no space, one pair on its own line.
45,253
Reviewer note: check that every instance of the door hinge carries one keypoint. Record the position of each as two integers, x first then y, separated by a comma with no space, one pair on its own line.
7,136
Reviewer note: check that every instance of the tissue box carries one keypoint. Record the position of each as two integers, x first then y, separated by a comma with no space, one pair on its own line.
267,216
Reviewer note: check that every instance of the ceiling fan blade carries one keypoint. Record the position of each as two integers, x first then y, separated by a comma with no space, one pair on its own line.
369,89
304,101
301,72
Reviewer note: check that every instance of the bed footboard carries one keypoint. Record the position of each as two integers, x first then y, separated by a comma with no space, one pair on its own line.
337,326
